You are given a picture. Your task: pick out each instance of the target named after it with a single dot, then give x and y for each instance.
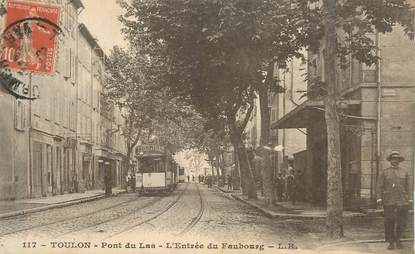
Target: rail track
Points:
(66, 219)
(198, 216)
(50, 227)
(161, 212)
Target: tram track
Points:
(198, 216)
(135, 225)
(93, 213)
(117, 205)
(112, 219)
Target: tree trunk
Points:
(236, 174)
(334, 221)
(245, 166)
(268, 172)
(127, 168)
(242, 173)
(218, 169)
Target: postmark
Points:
(19, 89)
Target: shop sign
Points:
(28, 41)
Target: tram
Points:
(156, 172)
(182, 177)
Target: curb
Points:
(274, 215)
(53, 206)
(358, 242)
(224, 191)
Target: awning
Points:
(305, 114)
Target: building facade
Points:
(375, 103)
(53, 141)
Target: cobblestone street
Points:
(193, 213)
(192, 217)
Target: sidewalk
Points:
(25, 206)
(364, 233)
(300, 210)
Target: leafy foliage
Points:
(146, 108)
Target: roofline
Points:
(91, 39)
(77, 3)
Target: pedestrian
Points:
(229, 182)
(279, 186)
(291, 188)
(108, 181)
(209, 181)
(188, 178)
(133, 183)
(395, 190)
(75, 182)
(127, 181)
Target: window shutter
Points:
(72, 67)
(67, 63)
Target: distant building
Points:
(292, 86)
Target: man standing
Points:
(395, 189)
(229, 182)
(108, 179)
(291, 187)
(279, 186)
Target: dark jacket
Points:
(394, 186)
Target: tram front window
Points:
(150, 165)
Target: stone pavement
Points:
(364, 233)
(24, 206)
(286, 210)
(365, 246)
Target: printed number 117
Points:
(29, 244)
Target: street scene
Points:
(207, 126)
(193, 214)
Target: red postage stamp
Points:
(29, 37)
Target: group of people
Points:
(288, 187)
(130, 181)
(206, 179)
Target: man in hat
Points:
(395, 188)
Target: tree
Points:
(127, 87)
(214, 54)
(216, 81)
(146, 109)
(347, 26)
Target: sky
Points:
(100, 16)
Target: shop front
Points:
(313, 161)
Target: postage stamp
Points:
(29, 37)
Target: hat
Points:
(395, 154)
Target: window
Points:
(19, 116)
(67, 65)
(368, 73)
(61, 108)
(72, 63)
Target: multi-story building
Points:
(39, 136)
(65, 134)
(290, 93)
(376, 104)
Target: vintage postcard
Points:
(207, 126)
